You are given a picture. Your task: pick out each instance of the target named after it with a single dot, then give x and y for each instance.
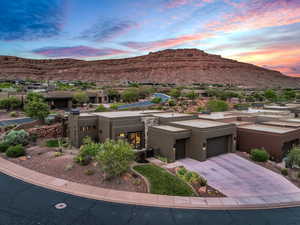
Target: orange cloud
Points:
(285, 60)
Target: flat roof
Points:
(294, 120)
(171, 115)
(121, 114)
(170, 128)
(217, 116)
(198, 123)
(268, 128)
(252, 110)
(241, 123)
(283, 123)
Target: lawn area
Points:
(164, 183)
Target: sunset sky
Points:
(262, 32)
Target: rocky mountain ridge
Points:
(180, 66)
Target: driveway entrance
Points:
(236, 177)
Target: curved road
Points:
(25, 204)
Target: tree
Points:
(293, 158)
(217, 106)
(37, 109)
(115, 157)
(130, 95)
(81, 97)
(191, 95)
(175, 93)
(289, 94)
(113, 94)
(10, 103)
(271, 95)
(34, 97)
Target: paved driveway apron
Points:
(237, 177)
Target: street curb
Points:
(145, 199)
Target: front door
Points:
(180, 149)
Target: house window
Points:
(135, 139)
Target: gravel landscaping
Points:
(48, 161)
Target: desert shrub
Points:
(191, 177)
(293, 158)
(175, 93)
(115, 106)
(101, 108)
(16, 137)
(10, 103)
(115, 157)
(3, 146)
(217, 106)
(53, 143)
(15, 151)
(156, 100)
(87, 151)
(171, 102)
(13, 114)
(284, 171)
(259, 155)
(33, 137)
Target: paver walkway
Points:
(237, 177)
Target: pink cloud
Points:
(77, 52)
(257, 14)
(178, 3)
(166, 43)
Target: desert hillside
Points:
(181, 66)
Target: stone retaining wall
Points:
(47, 131)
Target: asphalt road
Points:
(25, 204)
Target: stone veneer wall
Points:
(149, 122)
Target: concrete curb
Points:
(145, 199)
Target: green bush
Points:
(171, 102)
(87, 151)
(115, 157)
(217, 106)
(156, 100)
(81, 97)
(3, 146)
(293, 158)
(10, 103)
(130, 95)
(54, 143)
(259, 155)
(284, 171)
(16, 137)
(15, 151)
(13, 114)
(115, 106)
(101, 108)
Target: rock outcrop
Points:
(181, 66)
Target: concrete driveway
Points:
(236, 177)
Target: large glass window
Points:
(135, 139)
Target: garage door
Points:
(217, 146)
